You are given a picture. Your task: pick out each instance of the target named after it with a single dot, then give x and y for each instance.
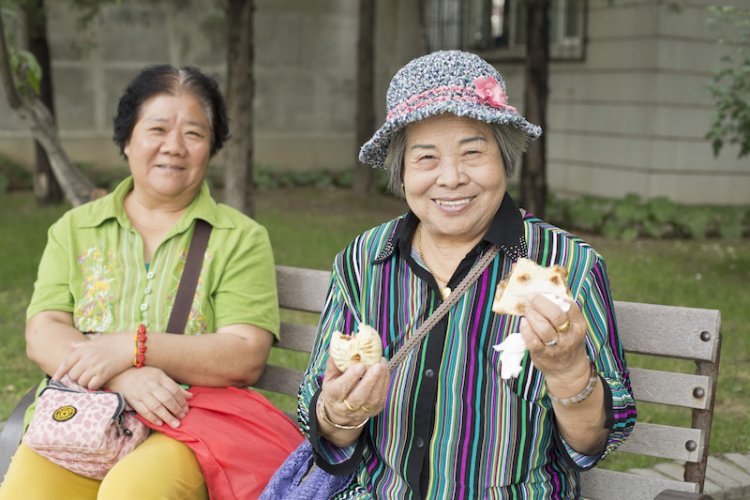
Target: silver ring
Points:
(553, 342)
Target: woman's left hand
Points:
(556, 339)
(94, 362)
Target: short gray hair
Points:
(511, 141)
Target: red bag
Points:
(239, 438)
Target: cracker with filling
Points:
(526, 279)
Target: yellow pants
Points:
(160, 468)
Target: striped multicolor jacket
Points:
(451, 427)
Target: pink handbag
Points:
(86, 432)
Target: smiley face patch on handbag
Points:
(64, 413)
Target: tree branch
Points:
(77, 187)
(14, 100)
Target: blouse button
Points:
(144, 307)
(147, 290)
(429, 373)
(150, 275)
(419, 442)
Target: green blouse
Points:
(93, 267)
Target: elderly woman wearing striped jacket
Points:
(444, 423)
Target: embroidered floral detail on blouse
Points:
(492, 93)
(93, 313)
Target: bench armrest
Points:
(681, 495)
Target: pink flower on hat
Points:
(491, 92)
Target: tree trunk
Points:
(533, 172)
(75, 186)
(46, 187)
(363, 174)
(239, 185)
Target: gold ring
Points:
(365, 409)
(564, 327)
(349, 406)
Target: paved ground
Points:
(727, 476)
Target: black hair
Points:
(166, 79)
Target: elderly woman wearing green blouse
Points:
(114, 264)
(445, 424)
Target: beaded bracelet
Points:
(139, 355)
(324, 412)
(581, 396)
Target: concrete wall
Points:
(632, 116)
(304, 70)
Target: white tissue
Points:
(563, 304)
(511, 350)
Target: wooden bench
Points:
(665, 331)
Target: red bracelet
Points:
(139, 358)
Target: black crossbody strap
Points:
(189, 280)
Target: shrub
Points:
(631, 217)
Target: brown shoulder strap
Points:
(443, 308)
(189, 280)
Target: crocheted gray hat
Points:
(450, 81)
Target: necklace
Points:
(445, 291)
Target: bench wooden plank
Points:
(669, 330)
(614, 485)
(665, 441)
(302, 289)
(280, 379)
(297, 337)
(670, 388)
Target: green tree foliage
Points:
(730, 87)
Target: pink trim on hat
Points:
(449, 93)
(416, 97)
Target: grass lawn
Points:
(308, 226)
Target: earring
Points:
(403, 189)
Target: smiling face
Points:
(169, 148)
(454, 178)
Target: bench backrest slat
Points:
(668, 330)
(296, 337)
(666, 441)
(671, 388)
(302, 289)
(280, 379)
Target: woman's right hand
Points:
(350, 398)
(153, 394)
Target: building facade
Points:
(628, 107)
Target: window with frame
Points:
(497, 28)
